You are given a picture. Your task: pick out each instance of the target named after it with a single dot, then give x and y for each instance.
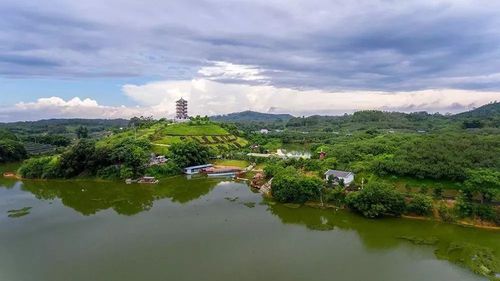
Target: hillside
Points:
(163, 134)
(486, 111)
(251, 116)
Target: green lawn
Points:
(234, 163)
(194, 130)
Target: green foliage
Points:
(272, 169)
(466, 208)
(446, 214)
(485, 182)
(11, 150)
(335, 196)
(141, 122)
(82, 132)
(78, 158)
(168, 169)
(53, 139)
(41, 168)
(376, 200)
(420, 205)
(189, 153)
(289, 186)
(442, 156)
(122, 159)
(479, 259)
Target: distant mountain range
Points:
(251, 116)
(487, 111)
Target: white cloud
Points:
(211, 97)
(207, 97)
(221, 70)
(56, 107)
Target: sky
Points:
(116, 58)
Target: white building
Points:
(347, 177)
(196, 169)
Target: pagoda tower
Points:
(181, 109)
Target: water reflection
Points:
(91, 197)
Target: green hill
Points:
(486, 111)
(163, 134)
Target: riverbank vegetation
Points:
(126, 153)
(442, 166)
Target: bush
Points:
(446, 214)
(474, 210)
(271, 169)
(420, 205)
(289, 186)
(167, 169)
(336, 196)
(40, 168)
(11, 150)
(377, 200)
(189, 153)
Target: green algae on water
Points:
(420, 240)
(249, 204)
(16, 213)
(480, 260)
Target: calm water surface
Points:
(205, 229)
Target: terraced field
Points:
(38, 148)
(163, 135)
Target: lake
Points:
(208, 229)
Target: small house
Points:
(264, 131)
(346, 177)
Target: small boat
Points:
(148, 180)
(130, 181)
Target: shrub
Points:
(189, 153)
(336, 196)
(11, 150)
(290, 187)
(474, 210)
(167, 169)
(438, 192)
(420, 205)
(271, 169)
(446, 214)
(40, 168)
(376, 200)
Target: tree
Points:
(485, 182)
(82, 132)
(189, 153)
(11, 150)
(376, 200)
(78, 158)
(420, 204)
(289, 186)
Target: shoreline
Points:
(312, 204)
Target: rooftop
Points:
(338, 174)
(198, 167)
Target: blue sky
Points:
(111, 58)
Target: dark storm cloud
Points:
(334, 45)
